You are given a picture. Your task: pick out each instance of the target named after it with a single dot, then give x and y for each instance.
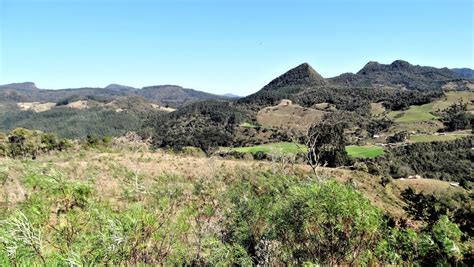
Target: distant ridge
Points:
(172, 95)
(119, 87)
(399, 74)
(464, 73)
(303, 74)
(20, 86)
(404, 66)
(230, 95)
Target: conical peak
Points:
(303, 74)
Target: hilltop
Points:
(302, 75)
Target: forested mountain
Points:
(464, 73)
(399, 74)
(374, 83)
(20, 86)
(392, 87)
(172, 95)
(302, 75)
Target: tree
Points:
(327, 144)
(398, 137)
(457, 117)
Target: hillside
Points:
(172, 95)
(464, 73)
(397, 89)
(132, 205)
(287, 115)
(26, 86)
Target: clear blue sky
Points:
(222, 46)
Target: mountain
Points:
(20, 86)
(174, 95)
(171, 95)
(464, 73)
(302, 75)
(404, 67)
(399, 74)
(399, 85)
(119, 87)
(230, 95)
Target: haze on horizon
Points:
(222, 46)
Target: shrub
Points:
(327, 224)
(23, 142)
(361, 166)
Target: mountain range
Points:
(169, 95)
(398, 74)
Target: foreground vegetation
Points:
(90, 207)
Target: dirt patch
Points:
(81, 104)
(428, 186)
(287, 115)
(377, 109)
(36, 106)
(324, 106)
(161, 108)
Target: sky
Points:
(226, 46)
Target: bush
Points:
(361, 166)
(192, 151)
(326, 224)
(24, 143)
(305, 222)
(252, 218)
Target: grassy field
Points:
(284, 148)
(248, 125)
(424, 112)
(364, 151)
(453, 97)
(414, 114)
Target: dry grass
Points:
(377, 109)
(289, 115)
(161, 108)
(109, 171)
(424, 127)
(81, 104)
(428, 186)
(453, 97)
(36, 106)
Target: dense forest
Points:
(73, 123)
